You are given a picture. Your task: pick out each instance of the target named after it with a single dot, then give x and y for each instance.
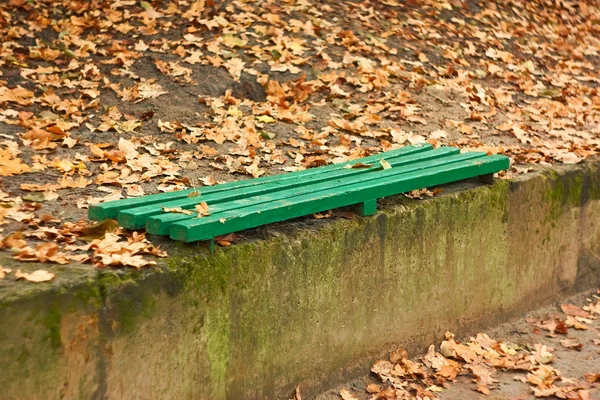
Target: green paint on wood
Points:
(111, 209)
(368, 207)
(387, 183)
(241, 205)
(160, 224)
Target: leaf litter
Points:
(479, 363)
(102, 100)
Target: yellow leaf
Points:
(230, 40)
(385, 164)
(266, 119)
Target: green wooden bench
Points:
(235, 206)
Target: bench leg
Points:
(211, 245)
(369, 207)
(487, 179)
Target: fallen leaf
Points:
(226, 240)
(202, 209)
(98, 230)
(385, 164)
(297, 394)
(177, 210)
(4, 271)
(373, 388)
(346, 395)
(322, 215)
(571, 343)
(574, 311)
(235, 66)
(37, 276)
(592, 377)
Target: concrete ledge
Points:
(309, 302)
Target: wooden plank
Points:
(235, 220)
(135, 218)
(110, 209)
(160, 223)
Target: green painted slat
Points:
(160, 224)
(135, 218)
(110, 209)
(236, 220)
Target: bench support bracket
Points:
(369, 207)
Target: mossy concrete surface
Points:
(311, 304)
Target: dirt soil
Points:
(576, 365)
(101, 100)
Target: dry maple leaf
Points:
(450, 348)
(10, 164)
(226, 240)
(202, 209)
(44, 252)
(178, 210)
(4, 271)
(297, 394)
(39, 139)
(574, 311)
(483, 377)
(346, 395)
(17, 95)
(572, 322)
(208, 181)
(14, 241)
(592, 377)
(235, 66)
(322, 215)
(571, 343)
(542, 354)
(373, 388)
(37, 276)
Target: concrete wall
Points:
(309, 302)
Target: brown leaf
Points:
(483, 377)
(373, 388)
(202, 209)
(10, 164)
(346, 395)
(417, 119)
(398, 355)
(359, 165)
(571, 343)
(592, 377)
(98, 230)
(14, 241)
(39, 139)
(322, 215)
(483, 389)
(574, 311)
(297, 394)
(4, 271)
(37, 276)
(208, 181)
(226, 240)
(178, 210)
(572, 322)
